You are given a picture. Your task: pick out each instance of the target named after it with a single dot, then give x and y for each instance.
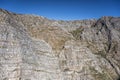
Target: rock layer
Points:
(36, 48)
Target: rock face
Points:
(36, 48)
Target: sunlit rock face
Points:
(36, 48)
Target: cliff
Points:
(36, 48)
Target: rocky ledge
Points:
(36, 48)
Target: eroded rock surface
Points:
(36, 48)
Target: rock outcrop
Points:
(36, 48)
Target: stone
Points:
(36, 48)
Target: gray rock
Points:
(36, 48)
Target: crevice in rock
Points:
(20, 78)
(108, 34)
(109, 40)
(112, 64)
(118, 78)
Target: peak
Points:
(108, 17)
(4, 11)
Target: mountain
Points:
(36, 48)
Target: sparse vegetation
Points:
(76, 33)
(99, 76)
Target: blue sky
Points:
(64, 9)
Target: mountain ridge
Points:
(37, 48)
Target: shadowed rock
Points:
(36, 48)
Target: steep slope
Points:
(36, 48)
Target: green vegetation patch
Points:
(99, 76)
(76, 33)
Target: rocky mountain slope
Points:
(36, 48)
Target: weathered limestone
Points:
(36, 48)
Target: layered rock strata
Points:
(36, 48)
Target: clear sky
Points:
(64, 9)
